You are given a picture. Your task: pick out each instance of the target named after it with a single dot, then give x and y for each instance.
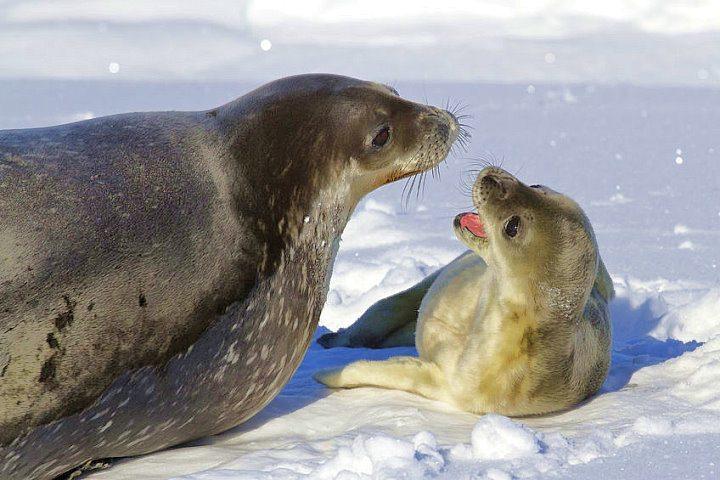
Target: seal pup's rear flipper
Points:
(398, 373)
(389, 322)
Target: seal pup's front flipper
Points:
(398, 373)
(518, 325)
(389, 322)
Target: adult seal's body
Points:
(161, 274)
(519, 325)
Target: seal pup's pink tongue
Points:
(472, 222)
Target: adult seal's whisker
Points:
(165, 271)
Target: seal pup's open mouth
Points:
(471, 230)
(472, 223)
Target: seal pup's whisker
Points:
(518, 325)
(487, 159)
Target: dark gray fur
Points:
(161, 274)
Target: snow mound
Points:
(498, 437)
(496, 443)
(368, 455)
(381, 456)
(697, 319)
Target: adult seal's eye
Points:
(381, 138)
(512, 226)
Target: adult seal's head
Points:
(330, 130)
(161, 274)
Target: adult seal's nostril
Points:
(447, 126)
(250, 187)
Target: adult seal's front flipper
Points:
(162, 274)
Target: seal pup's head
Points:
(538, 240)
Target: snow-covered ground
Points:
(630, 41)
(615, 103)
(643, 162)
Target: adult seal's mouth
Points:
(240, 208)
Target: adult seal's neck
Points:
(281, 198)
(267, 335)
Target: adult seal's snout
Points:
(161, 274)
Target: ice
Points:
(543, 41)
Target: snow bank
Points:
(697, 318)
(539, 41)
(540, 18)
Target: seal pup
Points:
(161, 274)
(518, 325)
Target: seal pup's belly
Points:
(518, 326)
(447, 310)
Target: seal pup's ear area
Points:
(603, 282)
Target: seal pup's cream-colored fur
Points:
(519, 325)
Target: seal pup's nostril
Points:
(490, 182)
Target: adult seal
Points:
(161, 274)
(519, 325)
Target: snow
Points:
(498, 437)
(661, 399)
(613, 103)
(636, 41)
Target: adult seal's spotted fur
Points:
(519, 325)
(161, 274)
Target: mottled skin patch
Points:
(164, 272)
(519, 325)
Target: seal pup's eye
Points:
(512, 226)
(540, 188)
(381, 137)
